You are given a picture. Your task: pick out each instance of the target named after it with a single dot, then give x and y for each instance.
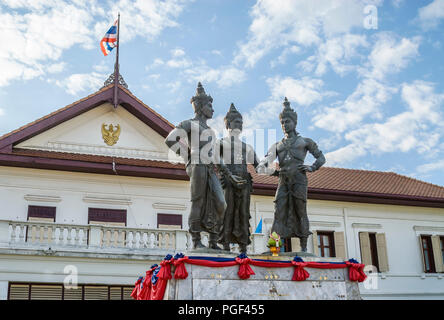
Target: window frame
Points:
(429, 249)
(168, 216)
(331, 240)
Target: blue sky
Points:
(370, 93)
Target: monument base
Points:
(223, 283)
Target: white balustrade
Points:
(55, 235)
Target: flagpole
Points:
(116, 66)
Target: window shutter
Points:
(366, 255)
(46, 292)
(437, 253)
(295, 245)
(72, 294)
(381, 246)
(422, 253)
(19, 292)
(115, 293)
(339, 245)
(315, 243)
(127, 293)
(96, 293)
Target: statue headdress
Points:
(231, 115)
(201, 97)
(287, 111)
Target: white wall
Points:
(143, 198)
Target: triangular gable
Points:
(105, 95)
(83, 134)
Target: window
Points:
(110, 217)
(427, 254)
(329, 244)
(326, 246)
(432, 253)
(41, 291)
(374, 250)
(40, 214)
(169, 221)
(442, 247)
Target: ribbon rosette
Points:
(300, 274)
(165, 270)
(179, 263)
(245, 270)
(356, 270)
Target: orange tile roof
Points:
(326, 178)
(330, 178)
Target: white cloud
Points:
(429, 167)
(300, 92)
(39, 32)
(430, 16)
(419, 128)
(388, 56)
(2, 112)
(81, 82)
(224, 76)
(336, 51)
(179, 63)
(178, 52)
(287, 22)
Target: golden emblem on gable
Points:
(110, 135)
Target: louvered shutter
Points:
(366, 255)
(437, 253)
(340, 245)
(295, 245)
(381, 246)
(96, 293)
(315, 243)
(19, 292)
(127, 293)
(72, 294)
(115, 293)
(46, 292)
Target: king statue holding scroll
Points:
(290, 214)
(236, 155)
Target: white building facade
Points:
(82, 219)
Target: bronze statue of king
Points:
(290, 204)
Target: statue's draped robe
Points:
(236, 224)
(290, 216)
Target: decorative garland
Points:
(153, 285)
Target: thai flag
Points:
(109, 41)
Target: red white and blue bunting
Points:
(153, 285)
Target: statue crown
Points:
(287, 111)
(201, 96)
(231, 115)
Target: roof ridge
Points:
(146, 106)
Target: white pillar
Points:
(4, 290)
(4, 232)
(95, 235)
(259, 243)
(181, 241)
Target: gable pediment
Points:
(83, 134)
